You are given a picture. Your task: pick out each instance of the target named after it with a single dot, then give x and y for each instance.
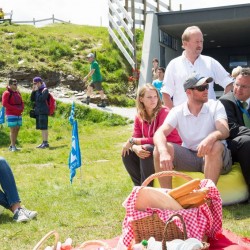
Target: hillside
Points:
(58, 54)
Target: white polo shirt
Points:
(193, 129)
(180, 68)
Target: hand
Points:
(141, 151)
(34, 87)
(126, 148)
(166, 163)
(205, 146)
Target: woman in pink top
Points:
(137, 152)
(13, 103)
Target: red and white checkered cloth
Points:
(200, 221)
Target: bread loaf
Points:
(184, 189)
(193, 199)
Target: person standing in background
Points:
(1, 13)
(13, 103)
(158, 83)
(155, 63)
(191, 61)
(96, 82)
(39, 96)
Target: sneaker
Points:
(20, 216)
(10, 148)
(101, 105)
(29, 214)
(87, 101)
(39, 146)
(14, 149)
(44, 145)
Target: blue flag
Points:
(75, 153)
(2, 115)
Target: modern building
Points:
(225, 29)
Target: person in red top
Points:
(13, 103)
(137, 152)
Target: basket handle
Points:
(45, 237)
(165, 173)
(94, 242)
(164, 240)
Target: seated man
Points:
(236, 104)
(202, 126)
(9, 197)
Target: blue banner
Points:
(75, 153)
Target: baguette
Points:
(184, 189)
(193, 199)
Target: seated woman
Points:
(9, 197)
(137, 152)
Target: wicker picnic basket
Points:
(153, 226)
(171, 232)
(93, 243)
(44, 239)
(90, 244)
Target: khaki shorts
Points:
(187, 160)
(96, 85)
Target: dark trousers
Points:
(139, 169)
(240, 149)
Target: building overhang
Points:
(223, 27)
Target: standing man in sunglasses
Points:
(203, 128)
(237, 107)
(13, 103)
(191, 61)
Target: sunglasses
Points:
(201, 88)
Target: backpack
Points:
(51, 102)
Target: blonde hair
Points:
(236, 71)
(141, 111)
(187, 32)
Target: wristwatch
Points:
(131, 141)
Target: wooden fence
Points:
(34, 21)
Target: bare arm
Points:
(91, 72)
(167, 100)
(160, 142)
(221, 133)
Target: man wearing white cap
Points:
(96, 82)
(202, 126)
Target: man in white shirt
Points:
(191, 61)
(202, 126)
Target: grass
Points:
(90, 208)
(47, 50)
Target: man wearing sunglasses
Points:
(202, 126)
(191, 61)
(13, 103)
(236, 104)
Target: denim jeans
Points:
(9, 194)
